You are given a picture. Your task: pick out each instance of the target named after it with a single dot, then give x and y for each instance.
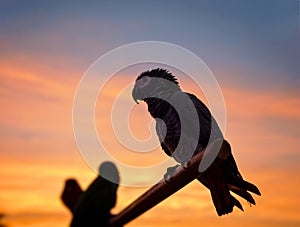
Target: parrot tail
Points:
(220, 194)
(221, 178)
(223, 200)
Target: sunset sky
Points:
(252, 48)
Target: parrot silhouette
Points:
(180, 138)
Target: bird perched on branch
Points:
(185, 127)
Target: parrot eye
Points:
(145, 80)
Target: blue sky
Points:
(256, 41)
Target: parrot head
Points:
(156, 83)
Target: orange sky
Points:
(38, 152)
(252, 47)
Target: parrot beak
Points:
(135, 95)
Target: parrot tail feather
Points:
(252, 188)
(223, 201)
(243, 193)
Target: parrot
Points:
(185, 127)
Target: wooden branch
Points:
(160, 191)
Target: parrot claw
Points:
(167, 178)
(170, 173)
(186, 165)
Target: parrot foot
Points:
(186, 165)
(170, 173)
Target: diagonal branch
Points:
(161, 190)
